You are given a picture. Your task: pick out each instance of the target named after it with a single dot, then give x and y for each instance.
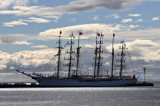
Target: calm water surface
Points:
(118, 96)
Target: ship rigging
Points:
(75, 79)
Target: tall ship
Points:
(74, 78)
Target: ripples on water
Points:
(118, 96)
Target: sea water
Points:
(87, 96)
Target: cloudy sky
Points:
(29, 30)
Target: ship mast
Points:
(59, 53)
(70, 57)
(99, 53)
(95, 58)
(122, 56)
(112, 56)
(78, 53)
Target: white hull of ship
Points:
(77, 83)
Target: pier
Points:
(33, 85)
(18, 84)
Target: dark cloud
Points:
(86, 5)
(73, 7)
(8, 39)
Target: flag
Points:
(139, 76)
(80, 33)
(76, 55)
(60, 32)
(134, 78)
(56, 54)
(98, 34)
(113, 35)
(102, 35)
(68, 43)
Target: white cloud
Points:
(41, 11)
(155, 18)
(95, 18)
(21, 43)
(89, 46)
(127, 20)
(134, 15)
(2, 67)
(144, 49)
(37, 20)
(6, 3)
(115, 16)
(12, 68)
(26, 59)
(139, 20)
(89, 30)
(144, 53)
(13, 23)
(15, 12)
(40, 46)
(133, 26)
(54, 17)
(23, 22)
(139, 34)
